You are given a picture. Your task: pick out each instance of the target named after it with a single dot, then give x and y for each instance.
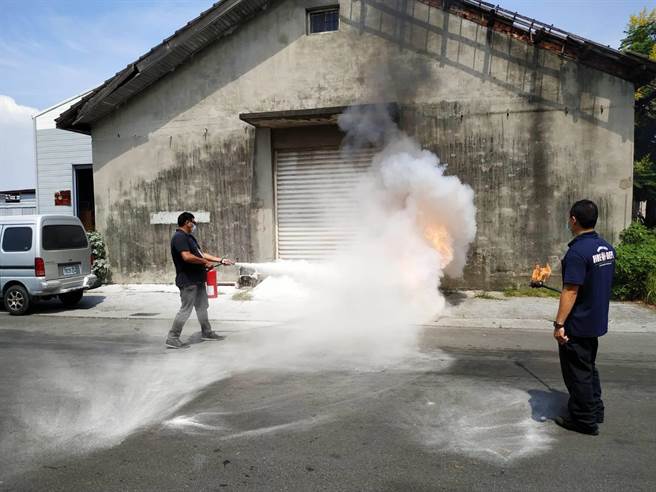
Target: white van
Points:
(42, 256)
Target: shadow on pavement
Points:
(455, 298)
(54, 305)
(196, 337)
(547, 405)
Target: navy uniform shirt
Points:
(186, 273)
(590, 264)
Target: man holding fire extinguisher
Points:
(191, 266)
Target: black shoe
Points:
(175, 343)
(567, 423)
(212, 336)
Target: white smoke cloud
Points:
(359, 311)
(414, 180)
(17, 166)
(412, 225)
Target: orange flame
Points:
(541, 274)
(441, 240)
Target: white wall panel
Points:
(57, 151)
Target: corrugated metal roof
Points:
(223, 17)
(627, 65)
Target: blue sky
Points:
(53, 49)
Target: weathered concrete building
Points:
(239, 105)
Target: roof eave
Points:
(223, 17)
(219, 20)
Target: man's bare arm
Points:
(567, 300)
(210, 257)
(223, 261)
(191, 258)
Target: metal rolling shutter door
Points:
(314, 187)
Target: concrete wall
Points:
(531, 132)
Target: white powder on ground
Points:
(358, 311)
(492, 423)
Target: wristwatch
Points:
(557, 326)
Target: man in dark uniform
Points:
(588, 269)
(191, 266)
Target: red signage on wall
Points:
(63, 197)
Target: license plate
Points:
(69, 270)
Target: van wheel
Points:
(17, 300)
(71, 298)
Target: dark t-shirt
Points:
(186, 273)
(590, 264)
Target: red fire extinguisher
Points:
(211, 284)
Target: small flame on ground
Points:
(541, 274)
(441, 241)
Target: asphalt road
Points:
(88, 404)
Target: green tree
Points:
(641, 38)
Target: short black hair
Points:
(184, 217)
(585, 212)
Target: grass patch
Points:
(530, 292)
(486, 295)
(242, 295)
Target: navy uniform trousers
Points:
(577, 362)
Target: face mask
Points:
(193, 228)
(569, 227)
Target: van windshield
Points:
(64, 237)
